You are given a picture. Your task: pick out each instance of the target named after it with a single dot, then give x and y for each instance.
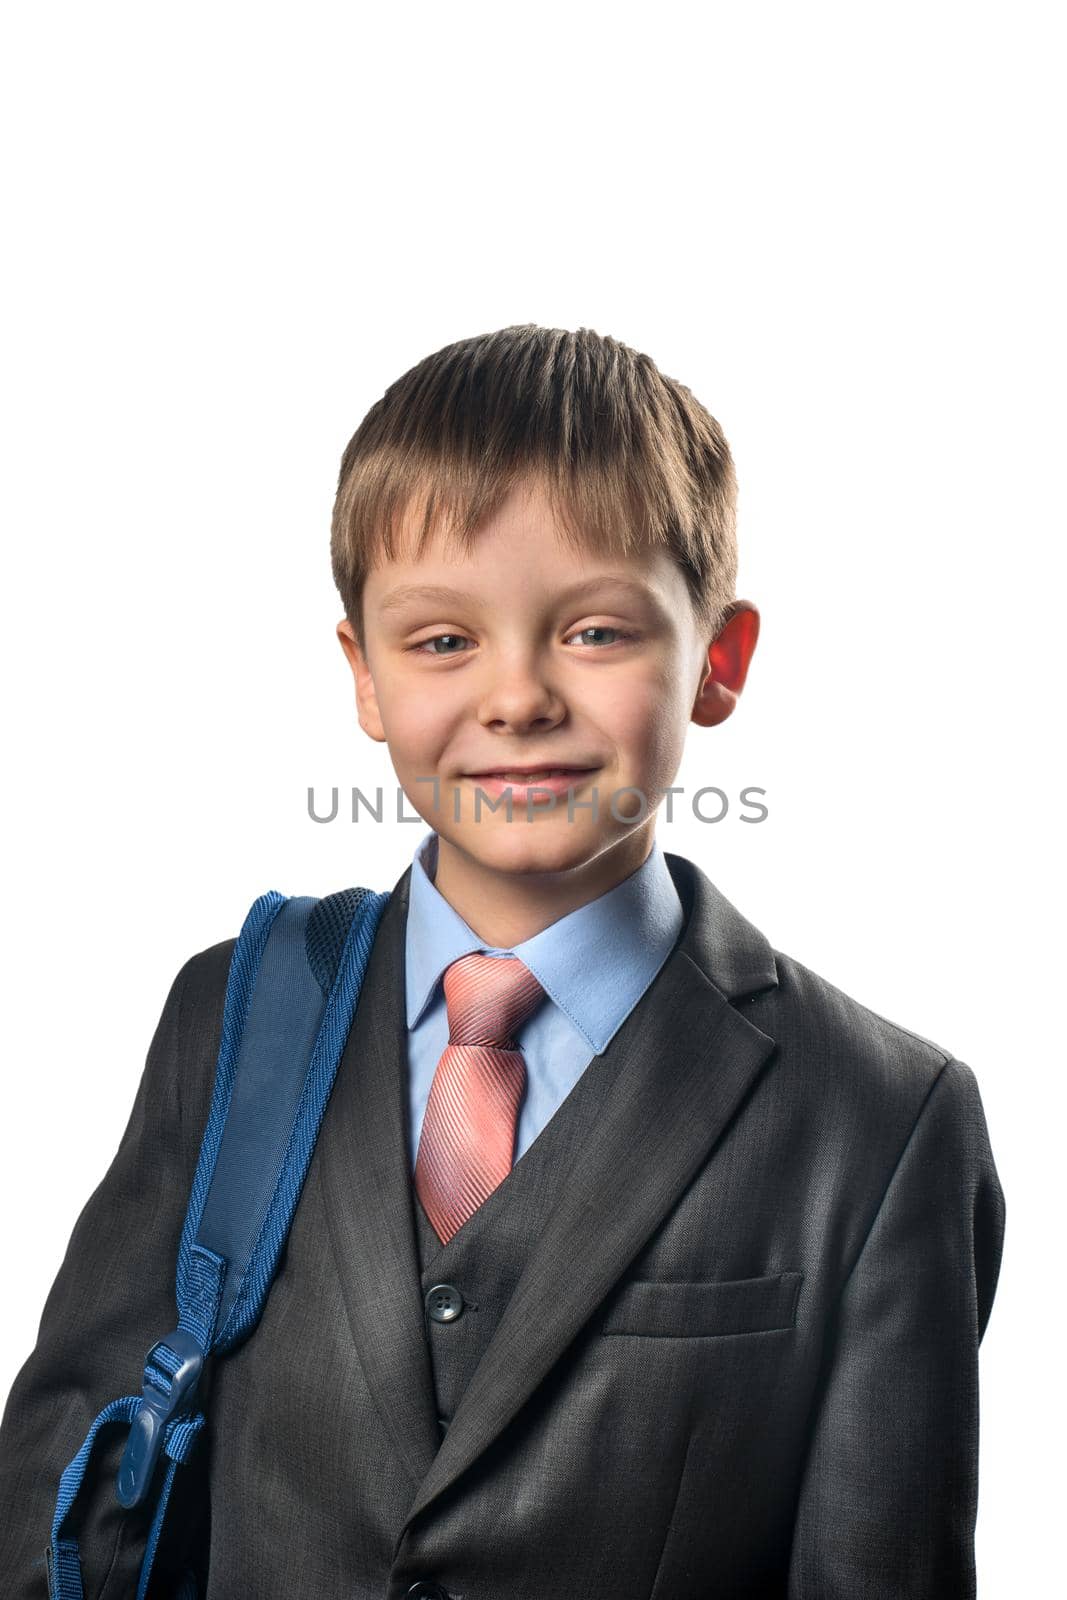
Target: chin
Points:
(523, 847)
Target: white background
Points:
(230, 227)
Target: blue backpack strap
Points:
(294, 981)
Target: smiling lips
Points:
(527, 774)
(557, 780)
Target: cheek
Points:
(416, 725)
(645, 718)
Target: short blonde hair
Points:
(626, 456)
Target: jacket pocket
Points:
(694, 1308)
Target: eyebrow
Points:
(437, 593)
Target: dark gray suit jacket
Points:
(741, 1359)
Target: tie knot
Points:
(489, 998)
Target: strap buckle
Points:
(172, 1372)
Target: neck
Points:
(505, 908)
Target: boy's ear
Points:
(727, 665)
(366, 697)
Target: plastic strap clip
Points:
(172, 1372)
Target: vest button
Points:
(444, 1303)
(426, 1589)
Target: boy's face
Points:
(544, 657)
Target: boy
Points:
(634, 1258)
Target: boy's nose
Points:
(521, 698)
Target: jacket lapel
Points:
(683, 1062)
(366, 1177)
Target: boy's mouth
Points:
(534, 785)
(530, 774)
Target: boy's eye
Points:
(600, 628)
(421, 646)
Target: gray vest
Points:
(476, 1272)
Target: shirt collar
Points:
(624, 936)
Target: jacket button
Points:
(444, 1302)
(426, 1589)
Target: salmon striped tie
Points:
(468, 1132)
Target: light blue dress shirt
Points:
(594, 965)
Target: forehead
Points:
(604, 588)
(521, 550)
